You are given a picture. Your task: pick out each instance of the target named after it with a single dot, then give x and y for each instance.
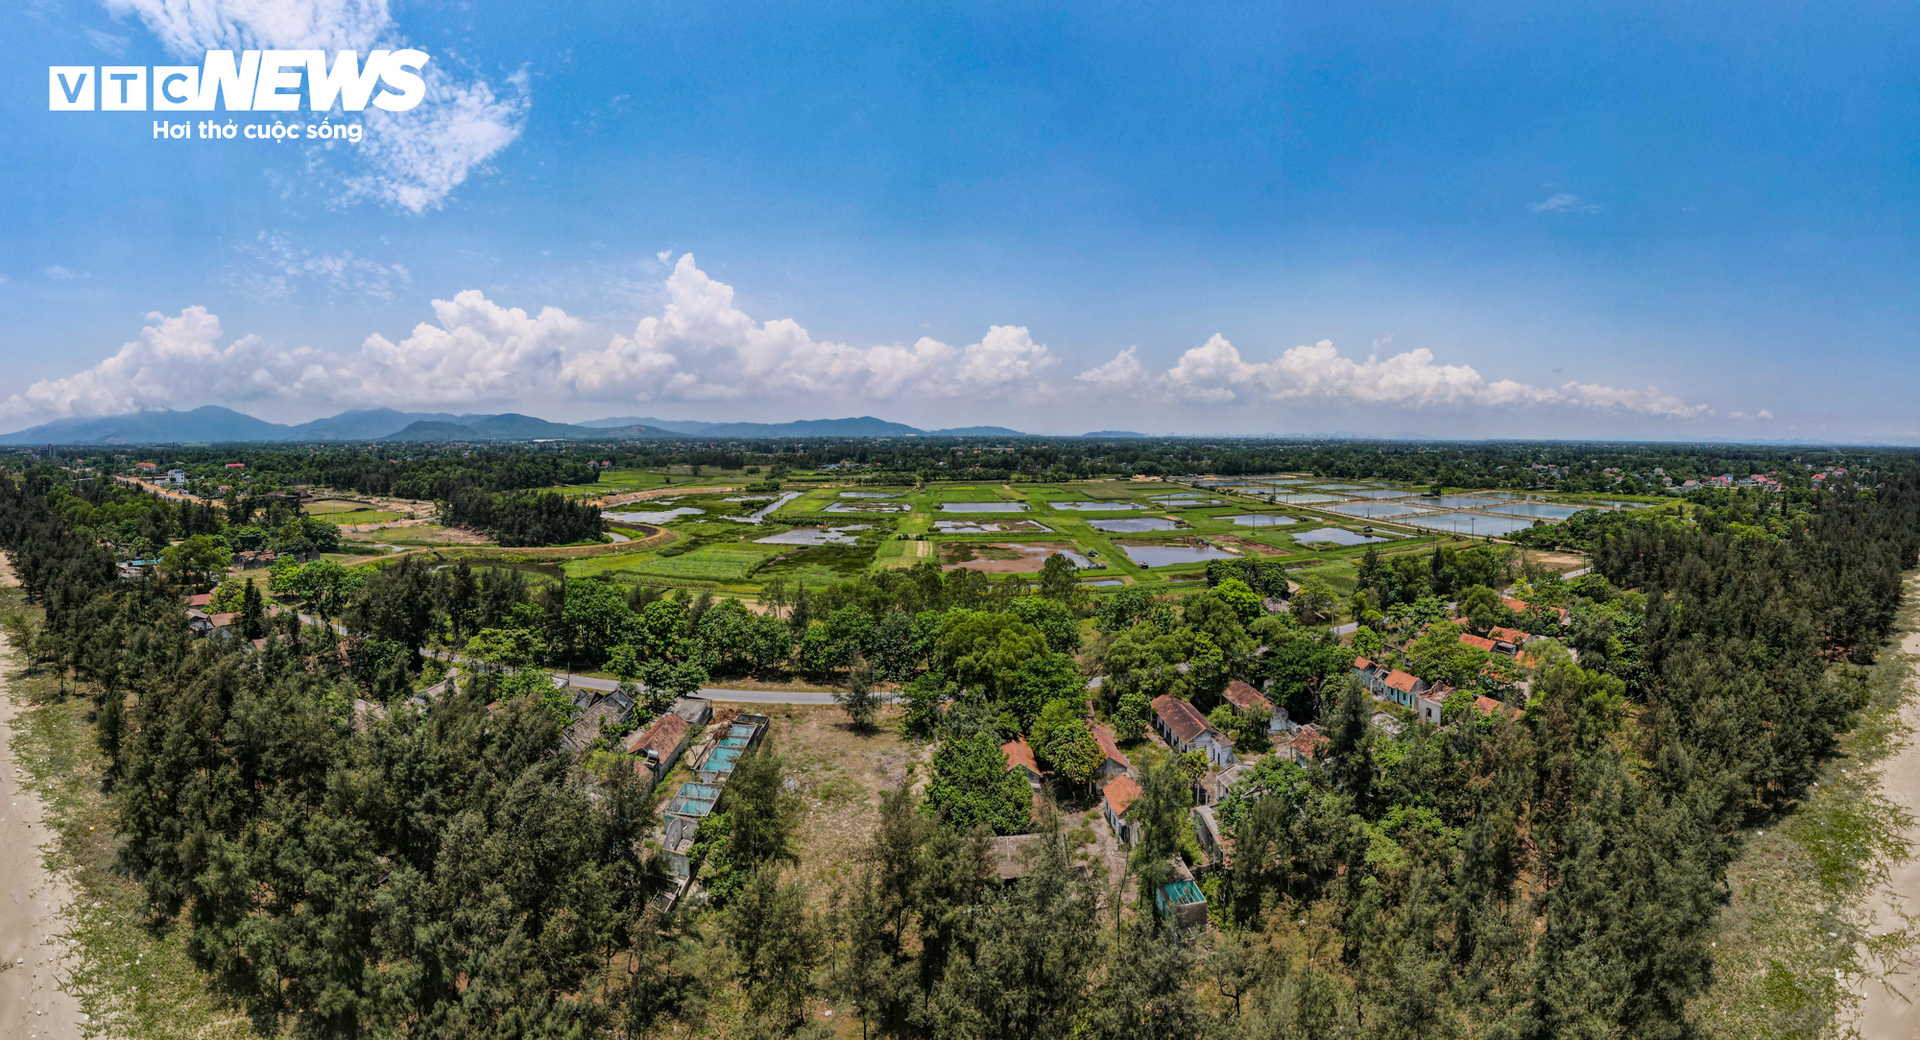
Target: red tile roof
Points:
(1103, 736)
(201, 600)
(661, 738)
(223, 620)
(1508, 635)
(1182, 718)
(1401, 681)
(1488, 706)
(1246, 698)
(1308, 741)
(1020, 754)
(1480, 642)
(1120, 793)
(1362, 662)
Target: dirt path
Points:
(32, 1004)
(1892, 1011)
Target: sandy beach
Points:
(32, 1004)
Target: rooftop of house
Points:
(1489, 706)
(1182, 718)
(1244, 697)
(1120, 793)
(1479, 642)
(223, 620)
(1363, 663)
(1103, 735)
(1006, 851)
(1508, 635)
(1020, 754)
(661, 737)
(1308, 740)
(1402, 681)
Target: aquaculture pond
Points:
(813, 536)
(658, 516)
(1094, 507)
(983, 507)
(1168, 555)
(1339, 536)
(1543, 510)
(1259, 520)
(1471, 524)
(1134, 524)
(1371, 509)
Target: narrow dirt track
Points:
(1891, 1011)
(32, 1004)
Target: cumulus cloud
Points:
(1216, 373)
(478, 352)
(703, 347)
(411, 160)
(174, 356)
(273, 267)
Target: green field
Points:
(360, 515)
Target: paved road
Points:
(713, 693)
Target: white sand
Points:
(32, 1004)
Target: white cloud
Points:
(108, 42)
(1563, 202)
(477, 352)
(63, 273)
(173, 357)
(1215, 373)
(702, 347)
(411, 160)
(273, 267)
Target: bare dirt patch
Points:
(997, 557)
(839, 774)
(1247, 545)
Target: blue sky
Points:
(1653, 221)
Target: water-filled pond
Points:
(1460, 501)
(1339, 536)
(763, 512)
(1381, 493)
(1094, 507)
(1259, 520)
(658, 516)
(1134, 524)
(983, 507)
(1470, 524)
(1306, 498)
(1341, 487)
(1168, 555)
(814, 536)
(1544, 510)
(866, 494)
(1103, 583)
(1369, 509)
(867, 507)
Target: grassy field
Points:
(361, 515)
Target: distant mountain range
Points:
(215, 424)
(864, 426)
